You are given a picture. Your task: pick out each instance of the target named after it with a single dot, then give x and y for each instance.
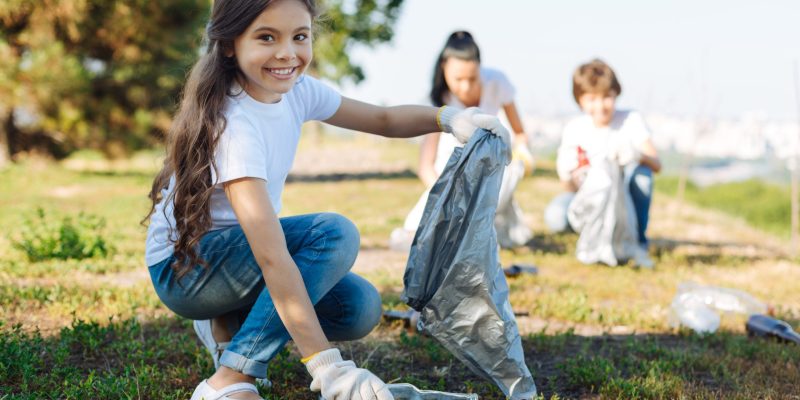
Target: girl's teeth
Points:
(284, 71)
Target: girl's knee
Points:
(371, 311)
(342, 231)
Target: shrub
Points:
(44, 238)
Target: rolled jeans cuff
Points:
(238, 362)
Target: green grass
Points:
(94, 328)
(764, 205)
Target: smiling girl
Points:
(216, 250)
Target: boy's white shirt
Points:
(496, 91)
(259, 141)
(627, 127)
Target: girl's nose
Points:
(286, 52)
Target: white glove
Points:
(624, 153)
(463, 123)
(341, 380)
(522, 153)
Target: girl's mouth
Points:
(281, 73)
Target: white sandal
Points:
(204, 391)
(203, 330)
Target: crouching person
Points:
(596, 147)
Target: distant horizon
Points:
(714, 59)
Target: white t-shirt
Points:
(259, 141)
(626, 125)
(496, 91)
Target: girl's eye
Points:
(266, 38)
(301, 37)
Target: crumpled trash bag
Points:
(509, 222)
(453, 276)
(602, 212)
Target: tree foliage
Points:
(95, 73)
(346, 23)
(105, 74)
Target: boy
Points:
(603, 132)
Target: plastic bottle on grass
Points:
(697, 306)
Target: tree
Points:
(346, 23)
(105, 74)
(98, 74)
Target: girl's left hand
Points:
(522, 153)
(463, 124)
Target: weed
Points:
(42, 238)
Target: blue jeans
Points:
(639, 179)
(324, 247)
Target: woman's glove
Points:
(341, 380)
(463, 123)
(522, 153)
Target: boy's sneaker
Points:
(203, 330)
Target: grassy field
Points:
(94, 328)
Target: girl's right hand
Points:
(341, 380)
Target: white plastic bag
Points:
(697, 307)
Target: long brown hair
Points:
(196, 128)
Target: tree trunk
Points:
(795, 207)
(6, 129)
(794, 164)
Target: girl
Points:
(216, 249)
(460, 80)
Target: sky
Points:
(718, 59)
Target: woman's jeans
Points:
(324, 247)
(640, 184)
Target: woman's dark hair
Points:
(460, 45)
(196, 128)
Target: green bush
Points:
(43, 238)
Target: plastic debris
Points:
(765, 326)
(407, 391)
(518, 269)
(697, 306)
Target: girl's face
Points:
(463, 79)
(599, 106)
(274, 50)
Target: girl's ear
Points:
(227, 50)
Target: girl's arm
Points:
(516, 124)
(650, 156)
(397, 122)
(250, 201)
(427, 159)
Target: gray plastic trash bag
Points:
(453, 276)
(602, 212)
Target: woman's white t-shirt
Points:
(259, 141)
(496, 91)
(580, 132)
